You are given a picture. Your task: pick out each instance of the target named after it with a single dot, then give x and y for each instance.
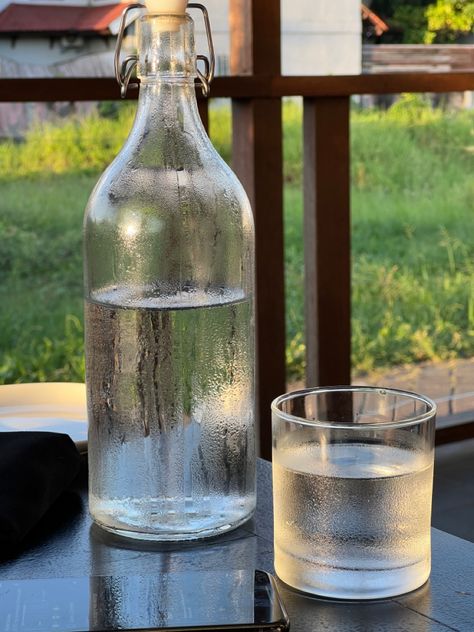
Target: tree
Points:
(412, 21)
(388, 8)
(447, 20)
(406, 18)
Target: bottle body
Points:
(171, 434)
(169, 251)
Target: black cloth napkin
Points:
(35, 467)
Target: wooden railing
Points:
(258, 160)
(417, 57)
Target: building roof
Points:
(51, 19)
(379, 25)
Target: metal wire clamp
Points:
(124, 69)
(207, 76)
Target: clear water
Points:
(352, 521)
(171, 428)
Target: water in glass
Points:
(352, 519)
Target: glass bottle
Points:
(169, 290)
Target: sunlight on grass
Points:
(413, 236)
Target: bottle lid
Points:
(167, 7)
(176, 9)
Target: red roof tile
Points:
(34, 18)
(380, 26)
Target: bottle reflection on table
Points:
(156, 586)
(171, 600)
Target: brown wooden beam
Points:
(258, 161)
(241, 41)
(255, 27)
(243, 87)
(62, 89)
(327, 241)
(453, 433)
(203, 105)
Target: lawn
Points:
(413, 237)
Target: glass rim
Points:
(409, 421)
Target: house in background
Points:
(48, 39)
(54, 39)
(319, 37)
(51, 38)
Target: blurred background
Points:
(412, 188)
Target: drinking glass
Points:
(352, 486)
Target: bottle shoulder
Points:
(154, 183)
(149, 224)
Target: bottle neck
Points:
(167, 105)
(168, 102)
(166, 48)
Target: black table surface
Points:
(66, 544)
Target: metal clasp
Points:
(207, 76)
(124, 69)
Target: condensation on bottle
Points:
(169, 315)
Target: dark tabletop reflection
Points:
(175, 586)
(312, 613)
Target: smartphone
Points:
(172, 602)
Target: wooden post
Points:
(203, 105)
(258, 161)
(327, 227)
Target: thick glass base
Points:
(347, 583)
(132, 520)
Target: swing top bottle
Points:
(169, 291)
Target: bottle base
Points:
(167, 526)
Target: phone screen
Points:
(166, 600)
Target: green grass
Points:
(41, 282)
(413, 228)
(413, 237)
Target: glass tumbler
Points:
(352, 486)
